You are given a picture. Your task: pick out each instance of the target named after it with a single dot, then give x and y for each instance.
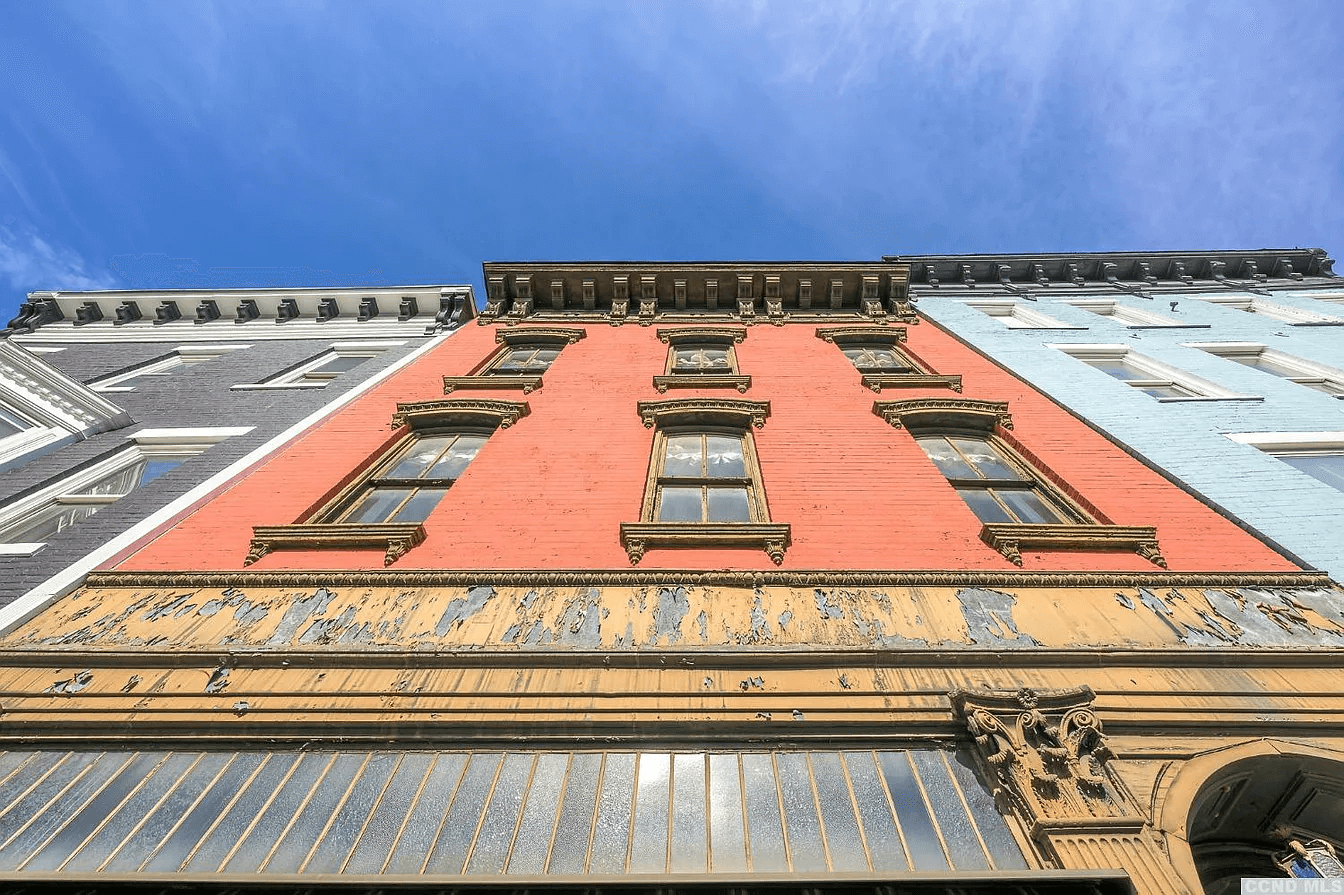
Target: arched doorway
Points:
(1246, 815)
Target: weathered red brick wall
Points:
(552, 491)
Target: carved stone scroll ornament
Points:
(459, 412)
(394, 538)
(1048, 762)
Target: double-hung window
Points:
(387, 505)
(525, 354)
(156, 371)
(1152, 377)
(1318, 454)
(876, 353)
(1016, 504)
(317, 371)
(407, 485)
(1320, 377)
(704, 487)
(702, 357)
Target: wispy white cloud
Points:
(30, 262)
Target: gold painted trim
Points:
(395, 537)
(459, 412)
(942, 413)
(879, 381)
(538, 334)
(703, 577)
(730, 334)
(528, 384)
(838, 335)
(701, 411)
(772, 537)
(692, 380)
(1009, 538)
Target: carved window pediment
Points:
(542, 335)
(704, 411)
(459, 413)
(945, 413)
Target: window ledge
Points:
(26, 548)
(394, 537)
(1168, 325)
(271, 386)
(1196, 398)
(528, 384)
(638, 537)
(1010, 537)
(696, 380)
(879, 381)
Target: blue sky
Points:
(310, 143)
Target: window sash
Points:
(382, 497)
(994, 482)
(712, 479)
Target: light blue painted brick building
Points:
(1223, 369)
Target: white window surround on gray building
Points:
(1164, 382)
(45, 408)
(1015, 315)
(183, 356)
(317, 371)
(1321, 377)
(79, 494)
(1275, 310)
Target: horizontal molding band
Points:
(699, 577)
(780, 658)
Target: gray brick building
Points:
(120, 408)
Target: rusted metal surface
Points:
(681, 617)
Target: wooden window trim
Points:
(719, 337)
(509, 339)
(889, 338)
(422, 418)
(705, 416)
(981, 419)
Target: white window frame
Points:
(1129, 316)
(1161, 374)
(1279, 444)
(307, 374)
(145, 444)
(1005, 309)
(1283, 313)
(182, 356)
(58, 408)
(1297, 369)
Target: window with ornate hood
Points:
(525, 354)
(387, 505)
(702, 357)
(1019, 506)
(704, 484)
(876, 353)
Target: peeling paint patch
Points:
(459, 610)
(328, 630)
(72, 685)
(580, 625)
(299, 612)
(702, 622)
(989, 618)
(131, 683)
(219, 679)
(672, 607)
(753, 683)
(1124, 601)
(784, 618)
(825, 606)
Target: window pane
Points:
(418, 508)
(376, 504)
(724, 456)
(679, 505)
(986, 459)
(880, 358)
(984, 506)
(1329, 468)
(415, 461)
(1028, 506)
(947, 460)
(123, 481)
(530, 360)
(700, 359)
(1119, 369)
(728, 505)
(682, 456)
(10, 424)
(457, 457)
(339, 363)
(152, 469)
